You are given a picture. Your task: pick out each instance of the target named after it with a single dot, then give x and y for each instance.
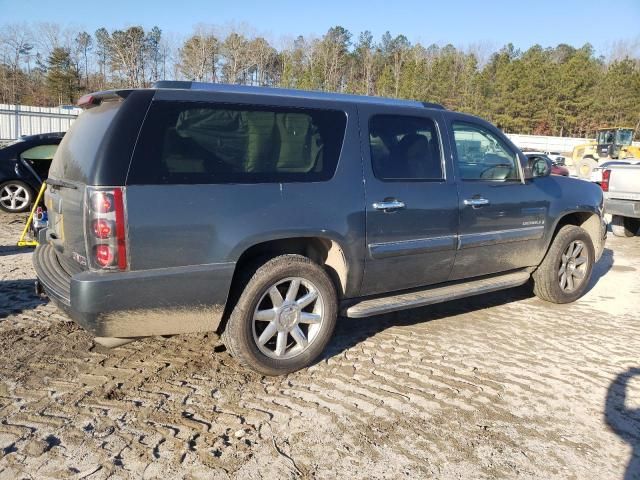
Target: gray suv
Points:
(263, 214)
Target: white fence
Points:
(548, 144)
(18, 120)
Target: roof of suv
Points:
(290, 92)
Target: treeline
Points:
(564, 90)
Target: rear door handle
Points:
(389, 205)
(476, 202)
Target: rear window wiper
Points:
(60, 183)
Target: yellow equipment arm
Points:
(31, 243)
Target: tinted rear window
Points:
(76, 155)
(189, 143)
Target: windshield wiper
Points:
(60, 183)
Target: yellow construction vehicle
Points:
(610, 143)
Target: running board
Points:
(431, 295)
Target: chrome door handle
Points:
(389, 205)
(476, 202)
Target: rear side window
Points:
(191, 143)
(404, 148)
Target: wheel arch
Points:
(326, 251)
(590, 221)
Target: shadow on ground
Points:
(624, 421)
(17, 296)
(13, 250)
(601, 268)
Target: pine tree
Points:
(62, 76)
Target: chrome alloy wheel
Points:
(288, 318)
(14, 197)
(573, 266)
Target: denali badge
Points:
(79, 258)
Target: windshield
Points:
(624, 137)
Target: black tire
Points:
(547, 277)
(585, 167)
(240, 333)
(15, 184)
(624, 226)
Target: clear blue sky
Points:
(461, 22)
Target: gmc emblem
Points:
(79, 258)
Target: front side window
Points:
(404, 148)
(482, 155)
(209, 143)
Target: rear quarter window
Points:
(198, 143)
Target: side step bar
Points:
(431, 295)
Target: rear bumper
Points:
(139, 303)
(625, 208)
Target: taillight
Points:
(102, 228)
(604, 184)
(102, 202)
(106, 230)
(104, 255)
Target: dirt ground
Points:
(498, 386)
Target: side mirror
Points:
(538, 167)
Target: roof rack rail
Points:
(276, 91)
(434, 105)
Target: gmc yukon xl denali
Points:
(263, 214)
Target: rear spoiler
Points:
(94, 99)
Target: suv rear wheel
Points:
(624, 226)
(284, 318)
(564, 274)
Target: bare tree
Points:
(198, 57)
(262, 56)
(234, 50)
(127, 55)
(84, 43)
(16, 41)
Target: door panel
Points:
(501, 218)
(411, 207)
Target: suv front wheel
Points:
(563, 275)
(284, 318)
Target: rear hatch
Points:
(94, 152)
